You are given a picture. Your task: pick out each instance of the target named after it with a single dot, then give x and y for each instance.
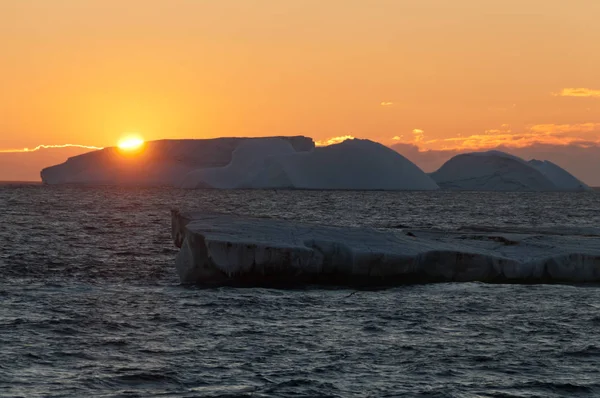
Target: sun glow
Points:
(130, 143)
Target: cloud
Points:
(482, 141)
(565, 128)
(418, 135)
(387, 103)
(26, 165)
(581, 134)
(578, 92)
(37, 148)
(576, 147)
(418, 138)
(334, 140)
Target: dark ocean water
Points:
(90, 305)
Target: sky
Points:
(440, 76)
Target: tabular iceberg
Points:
(499, 171)
(224, 249)
(270, 162)
(163, 162)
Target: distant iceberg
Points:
(295, 163)
(560, 177)
(352, 164)
(247, 161)
(270, 162)
(499, 171)
(162, 162)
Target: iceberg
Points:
(162, 162)
(248, 160)
(499, 171)
(221, 249)
(229, 163)
(352, 164)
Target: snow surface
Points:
(499, 171)
(226, 249)
(270, 162)
(561, 178)
(352, 164)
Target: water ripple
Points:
(90, 305)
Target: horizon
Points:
(30, 162)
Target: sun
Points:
(130, 143)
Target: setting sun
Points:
(130, 143)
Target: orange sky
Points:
(461, 74)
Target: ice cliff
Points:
(499, 171)
(270, 162)
(218, 249)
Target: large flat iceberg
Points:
(162, 162)
(218, 249)
(269, 162)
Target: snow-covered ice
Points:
(163, 162)
(499, 171)
(226, 249)
(248, 160)
(352, 164)
(560, 177)
(269, 162)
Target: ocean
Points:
(90, 304)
